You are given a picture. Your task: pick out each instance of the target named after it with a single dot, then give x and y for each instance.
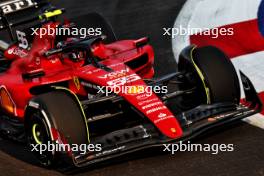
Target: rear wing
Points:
(22, 15)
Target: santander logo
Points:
(161, 115)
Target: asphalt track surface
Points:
(246, 159)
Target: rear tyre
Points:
(212, 72)
(55, 112)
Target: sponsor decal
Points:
(147, 101)
(115, 65)
(142, 97)
(163, 116)
(89, 85)
(15, 5)
(152, 105)
(219, 117)
(17, 51)
(156, 109)
(116, 74)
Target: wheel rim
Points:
(36, 132)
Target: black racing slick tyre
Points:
(212, 73)
(52, 114)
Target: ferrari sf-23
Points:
(49, 89)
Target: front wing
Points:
(193, 123)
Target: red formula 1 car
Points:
(55, 90)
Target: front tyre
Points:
(38, 133)
(55, 117)
(212, 73)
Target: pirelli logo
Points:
(16, 5)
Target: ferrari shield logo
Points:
(76, 83)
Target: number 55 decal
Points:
(123, 80)
(21, 37)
